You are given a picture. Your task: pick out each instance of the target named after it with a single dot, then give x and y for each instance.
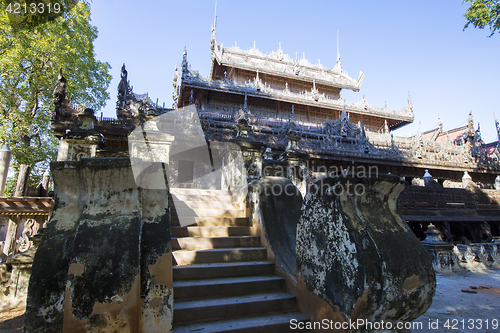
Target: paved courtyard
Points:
(470, 310)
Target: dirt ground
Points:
(12, 321)
(466, 301)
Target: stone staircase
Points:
(222, 279)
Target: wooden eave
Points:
(396, 121)
(26, 205)
(263, 70)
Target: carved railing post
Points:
(466, 180)
(272, 167)
(427, 178)
(441, 252)
(297, 162)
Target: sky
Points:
(416, 47)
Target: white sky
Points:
(401, 46)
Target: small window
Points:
(186, 171)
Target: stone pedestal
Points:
(441, 252)
(81, 142)
(241, 158)
(104, 262)
(149, 147)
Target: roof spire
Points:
(215, 18)
(338, 49)
(338, 65)
(497, 124)
(212, 39)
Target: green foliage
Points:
(483, 13)
(25, 14)
(30, 59)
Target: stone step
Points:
(222, 269)
(275, 323)
(186, 257)
(205, 205)
(197, 191)
(232, 307)
(202, 197)
(233, 286)
(210, 231)
(211, 221)
(198, 243)
(209, 212)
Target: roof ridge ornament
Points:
(410, 104)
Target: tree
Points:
(30, 60)
(483, 13)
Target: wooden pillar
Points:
(5, 155)
(22, 180)
(10, 239)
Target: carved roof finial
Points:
(363, 133)
(184, 60)
(440, 124)
(59, 94)
(343, 115)
(470, 125)
(60, 77)
(124, 72)
(410, 104)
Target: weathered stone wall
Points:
(355, 251)
(104, 263)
